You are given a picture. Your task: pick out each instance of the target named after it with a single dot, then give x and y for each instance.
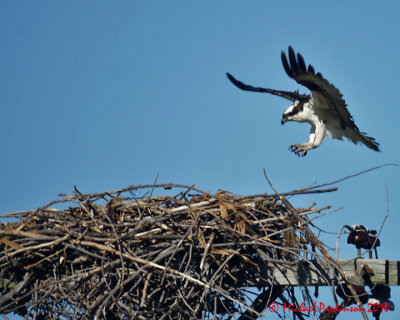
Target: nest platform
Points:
(153, 252)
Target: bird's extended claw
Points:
(294, 147)
(299, 149)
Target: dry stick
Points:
(43, 245)
(105, 301)
(304, 222)
(313, 239)
(283, 219)
(57, 252)
(309, 221)
(120, 255)
(212, 280)
(193, 224)
(271, 297)
(206, 249)
(383, 222)
(25, 234)
(263, 300)
(35, 298)
(157, 266)
(97, 196)
(290, 250)
(352, 175)
(183, 194)
(290, 193)
(195, 205)
(184, 300)
(144, 293)
(16, 289)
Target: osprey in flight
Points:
(324, 110)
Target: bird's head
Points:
(293, 112)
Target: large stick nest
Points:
(135, 254)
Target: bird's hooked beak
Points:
(284, 119)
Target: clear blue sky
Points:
(103, 95)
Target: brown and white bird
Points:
(325, 110)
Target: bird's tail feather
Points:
(368, 141)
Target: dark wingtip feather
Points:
(311, 69)
(293, 62)
(301, 63)
(237, 83)
(243, 86)
(286, 65)
(290, 50)
(233, 80)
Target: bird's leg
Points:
(317, 134)
(301, 149)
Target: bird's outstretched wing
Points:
(292, 96)
(325, 94)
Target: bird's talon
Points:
(298, 150)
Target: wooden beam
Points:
(386, 272)
(313, 272)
